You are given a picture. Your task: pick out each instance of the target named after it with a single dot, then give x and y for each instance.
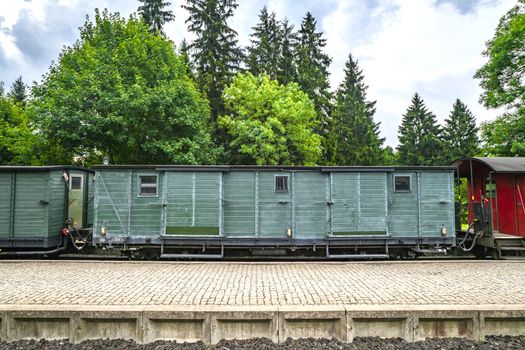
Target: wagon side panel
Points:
(194, 203)
(112, 197)
(309, 201)
(57, 202)
(437, 203)
(6, 205)
(240, 204)
(403, 213)
(31, 204)
(145, 206)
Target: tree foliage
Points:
(263, 55)
(269, 123)
(503, 81)
(216, 54)
(18, 92)
(354, 136)
(419, 136)
(17, 142)
(503, 76)
(184, 54)
(460, 134)
(312, 66)
(504, 136)
(122, 91)
(154, 13)
(287, 69)
(272, 49)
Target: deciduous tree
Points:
(122, 91)
(503, 81)
(17, 141)
(269, 123)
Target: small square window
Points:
(402, 183)
(148, 185)
(281, 183)
(76, 182)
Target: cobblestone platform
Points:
(192, 301)
(250, 284)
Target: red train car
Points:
(496, 203)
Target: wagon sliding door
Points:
(275, 204)
(6, 205)
(193, 203)
(358, 203)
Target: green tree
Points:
(504, 136)
(502, 76)
(263, 55)
(269, 123)
(18, 92)
(154, 13)
(389, 156)
(287, 67)
(460, 134)
(504, 86)
(354, 136)
(419, 136)
(17, 142)
(312, 67)
(184, 53)
(122, 91)
(216, 54)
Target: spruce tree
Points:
(312, 68)
(419, 136)
(215, 51)
(287, 68)
(184, 54)
(354, 136)
(263, 54)
(155, 15)
(18, 91)
(460, 134)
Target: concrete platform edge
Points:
(212, 323)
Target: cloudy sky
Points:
(403, 46)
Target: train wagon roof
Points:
(226, 168)
(28, 168)
(497, 164)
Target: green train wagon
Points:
(345, 212)
(36, 201)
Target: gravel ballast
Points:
(491, 343)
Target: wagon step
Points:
(358, 256)
(192, 255)
(384, 255)
(511, 249)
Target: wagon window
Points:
(148, 185)
(76, 182)
(281, 183)
(402, 183)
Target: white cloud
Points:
(419, 46)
